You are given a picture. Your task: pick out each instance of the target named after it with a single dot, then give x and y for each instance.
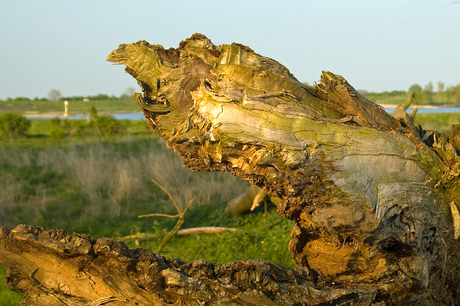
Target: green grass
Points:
(39, 133)
(441, 122)
(7, 297)
(103, 106)
(393, 98)
(259, 236)
(400, 97)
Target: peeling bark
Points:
(372, 196)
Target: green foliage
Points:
(416, 88)
(98, 97)
(457, 94)
(429, 87)
(21, 99)
(13, 124)
(59, 127)
(423, 96)
(95, 125)
(75, 106)
(106, 125)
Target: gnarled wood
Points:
(368, 193)
(54, 268)
(371, 195)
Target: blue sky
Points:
(375, 45)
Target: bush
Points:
(59, 128)
(106, 125)
(94, 125)
(13, 124)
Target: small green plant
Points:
(13, 124)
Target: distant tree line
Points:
(55, 95)
(13, 124)
(443, 95)
(426, 95)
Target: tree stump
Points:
(374, 198)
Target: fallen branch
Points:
(204, 231)
(61, 269)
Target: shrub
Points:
(59, 128)
(106, 125)
(94, 125)
(13, 124)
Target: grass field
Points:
(99, 186)
(38, 107)
(438, 122)
(387, 98)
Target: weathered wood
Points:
(371, 195)
(54, 268)
(400, 110)
(252, 198)
(243, 202)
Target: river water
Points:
(140, 116)
(436, 110)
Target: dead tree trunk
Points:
(374, 198)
